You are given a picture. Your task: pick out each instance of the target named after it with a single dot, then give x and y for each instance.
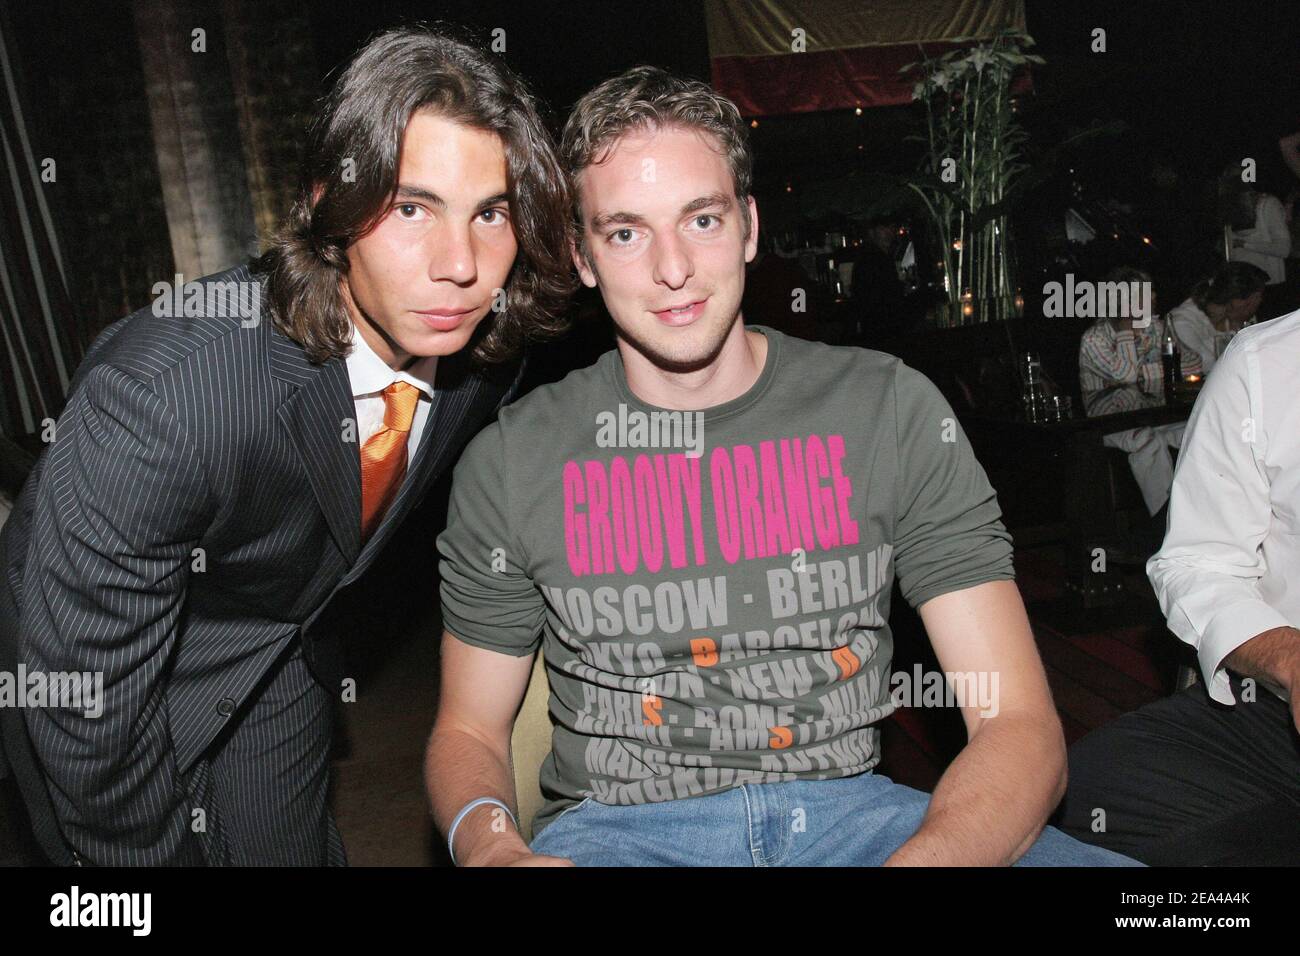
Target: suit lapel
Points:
(314, 417)
(456, 391)
(314, 414)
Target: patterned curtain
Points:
(195, 134)
(130, 158)
(38, 347)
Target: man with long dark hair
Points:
(233, 456)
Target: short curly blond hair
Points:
(646, 97)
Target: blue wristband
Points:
(451, 833)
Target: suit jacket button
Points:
(226, 706)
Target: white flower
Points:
(981, 58)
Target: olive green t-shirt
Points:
(711, 589)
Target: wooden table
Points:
(1087, 506)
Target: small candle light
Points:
(1020, 304)
(967, 305)
(1191, 378)
(956, 245)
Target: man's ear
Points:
(751, 244)
(585, 271)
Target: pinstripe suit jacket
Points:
(198, 509)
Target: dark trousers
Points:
(1186, 781)
(264, 786)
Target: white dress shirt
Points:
(1229, 568)
(370, 375)
(1267, 244)
(1195, 330)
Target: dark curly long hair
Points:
(349, 179)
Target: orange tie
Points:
(383, 456)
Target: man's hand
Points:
(490, 847)
(1272, 656)
(1288, 666)
(513, 853)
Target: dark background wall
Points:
(1196, 83)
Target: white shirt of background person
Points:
(1269, 243)
(1227, 569)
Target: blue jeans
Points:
(849, 821)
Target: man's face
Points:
(425, 275)
(665, 236)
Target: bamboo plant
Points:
(973, 162)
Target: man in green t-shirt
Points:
(700, 532)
